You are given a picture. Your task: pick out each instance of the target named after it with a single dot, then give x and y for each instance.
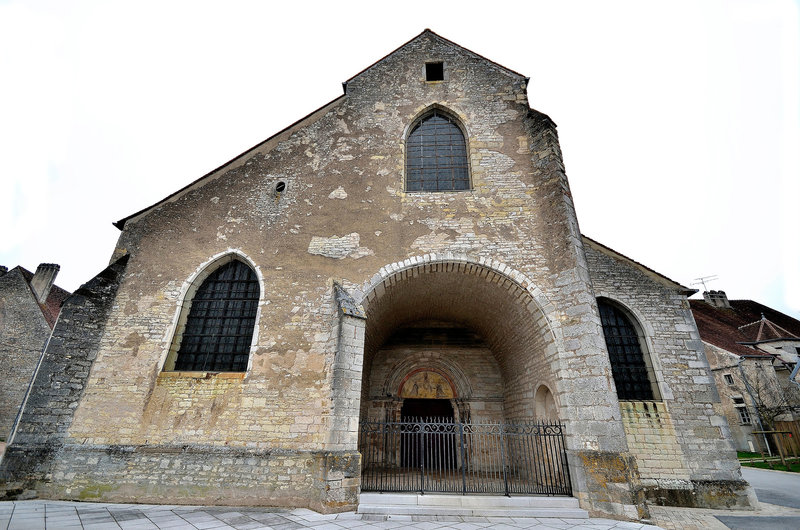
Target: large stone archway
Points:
(517, 336)
(466, 345)
(470, 322)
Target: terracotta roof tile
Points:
(728, 328)
(52, 306)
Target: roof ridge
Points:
(687, 290)
(121, 223)
(446, 40)
(764, 321)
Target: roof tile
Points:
(728, 328)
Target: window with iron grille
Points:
(626, 354)
(436, 155)
(728, 379)
(741, 408)
(219, 327)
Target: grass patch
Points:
(794, 467)
(764, 461)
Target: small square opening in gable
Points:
(434, 71)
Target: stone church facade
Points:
(347, 251)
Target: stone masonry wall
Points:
(23, 334)
(685, 384)
(59, 384)
(346, 374)
(725, 363)
(650, 430)
(206, 475)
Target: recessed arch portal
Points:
(490, 333)
(427, 383)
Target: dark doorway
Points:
(428, 438)
(440, 409)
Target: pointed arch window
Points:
(221, 318)
(627, 351)
(436, 155)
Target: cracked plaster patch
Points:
(339, 247)
(338, 193)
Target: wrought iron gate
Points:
(440, 455)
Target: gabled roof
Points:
(274, 139)
(306, 120)
(765, 330)
(733, 328)
(428, 32)
(657, 276)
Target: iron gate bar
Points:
(444, 456)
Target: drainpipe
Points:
(21, 409)
(794, 374)
(753, 400)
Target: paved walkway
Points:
(766, 516)
(62, 515)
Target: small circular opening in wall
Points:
(280, 186)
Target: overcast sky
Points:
(679, 121)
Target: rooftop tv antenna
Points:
(703, 279)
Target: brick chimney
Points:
(43, 280)
(717, 299)
(3, 270)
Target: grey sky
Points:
(679, 121)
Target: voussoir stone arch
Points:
(421, 113)
(641, 319)
(460, 263)
(451, 371)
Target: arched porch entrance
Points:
(453, 353)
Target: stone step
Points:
(469, 505)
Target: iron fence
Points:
(441, 455)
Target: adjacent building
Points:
(29, 307)
(753, 352)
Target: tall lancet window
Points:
(436, 155)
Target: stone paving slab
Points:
(61, 515)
